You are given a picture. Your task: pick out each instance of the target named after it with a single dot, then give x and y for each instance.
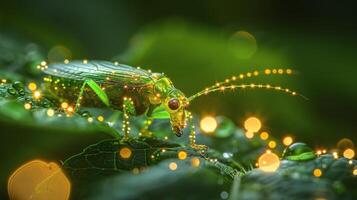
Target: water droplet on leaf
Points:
(298, 152)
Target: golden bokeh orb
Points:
(264, 135)
(32, 86)
(249, 134)
(208, 124)
(252, 124)
(182, 155)
(349, 153)
(317, 172)
(287, 140)
(195, 162)
(268, 162)
(272, 144)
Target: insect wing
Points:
(101, 72)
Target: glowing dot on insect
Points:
(166, 138)
(66, 61)
(324, 151)
(349, 153)
(32, 86)
(50, 112)
(43, 63)
(37, 94)
(85, 61)
(64, 105)
(173, 166)
(264, 135)
(280, 71)
(182, 155)
(287, 140)
(350, 162)
(249, 134)
(208, 124)
(27, 106)
(318, 152)
(163, 150)
(268, 162)
(317, 172)
(100, 118)
(274, 71)
(252, 124)
(125, 152)
(272, 144)
(3, 80)
(289, 71)
(195, 162)
(267, 71)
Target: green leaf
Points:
(101, 94)
(160, 113)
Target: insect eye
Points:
(174, 104)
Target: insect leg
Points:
(199, 147)
(96, 88)
(145, 129)
(128, 109)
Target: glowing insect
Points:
(134, 91)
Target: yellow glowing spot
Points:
(64, 105)
(318, 152)
(272, 144)
(267, 71)
(287, 140)
(85, 61)
(3, 80)
(100, 118)
(354, 172)
(289, 71)
(37, 94)
(182, 155)
(317, 172)
(195, 162)
(324, 151)
(249, 134)
(280, 71)
(173, 166)
(27, 106)
(274, 71)
(66, 61)
(70, 109)
(39, 180)
(269, 162)
(264, 135)
(50, 112)
(349, 153)
(43, 63)
(90, 119)
(125, 153)
(208, 124)
(32, 86)
(252, 124)
(166, 138)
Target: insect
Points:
(134, 91)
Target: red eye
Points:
(174, 104)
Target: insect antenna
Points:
(223, 88)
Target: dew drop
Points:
(298, 152)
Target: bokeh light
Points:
(264, 135)
(182, 155)
(173, 166)
(252, 124)
(243, 44)
(32, 86)
(50, 112)
(287, 140)
(344, 144)
(208, 124)
(39, 180)
(195, 162)
(349, 153)
(249, 134)
(268, 162)
(125, 153)
(27, 106)
(317, 172)
(272, 144)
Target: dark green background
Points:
(315, 37)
